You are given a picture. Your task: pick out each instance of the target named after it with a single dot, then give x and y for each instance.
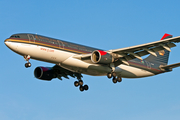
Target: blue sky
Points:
(104, 24)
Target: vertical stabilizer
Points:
(162, 56)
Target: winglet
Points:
(166, 36)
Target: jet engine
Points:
(102, 57)
(44, 73)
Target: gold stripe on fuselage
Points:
(43, 44)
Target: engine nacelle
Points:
(44, 73)
(102, 57)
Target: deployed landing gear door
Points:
(31, 38)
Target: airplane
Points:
(73, 60)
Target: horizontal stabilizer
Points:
(170, 67)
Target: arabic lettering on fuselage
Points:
(60, 43)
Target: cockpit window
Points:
(15, 36)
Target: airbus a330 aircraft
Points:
(72, 59)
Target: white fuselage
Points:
(66, 60)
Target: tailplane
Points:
(162, 55)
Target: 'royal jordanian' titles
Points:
(73, 60)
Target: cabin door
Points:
(31, 38)
(61, 45)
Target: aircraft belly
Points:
(98, 70)
(80, 66)
(42, 53)
(132, 72)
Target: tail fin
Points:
(162, 56)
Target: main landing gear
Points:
(27, 58)
(114, 76)
(80, 84)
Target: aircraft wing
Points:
(137, 48)
(62, 72)
(123, 55)
(137, 51)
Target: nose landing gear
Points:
(27, 58)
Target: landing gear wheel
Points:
(28, 65)
(81, 88)
(114, 74)
(76, 83)
(109, 75)
(119, 79)
(80, 82)
(114, 80)
(86, 87)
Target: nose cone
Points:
(7, 43)
(11, 45)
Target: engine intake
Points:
(44, 73)
(102, 57)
